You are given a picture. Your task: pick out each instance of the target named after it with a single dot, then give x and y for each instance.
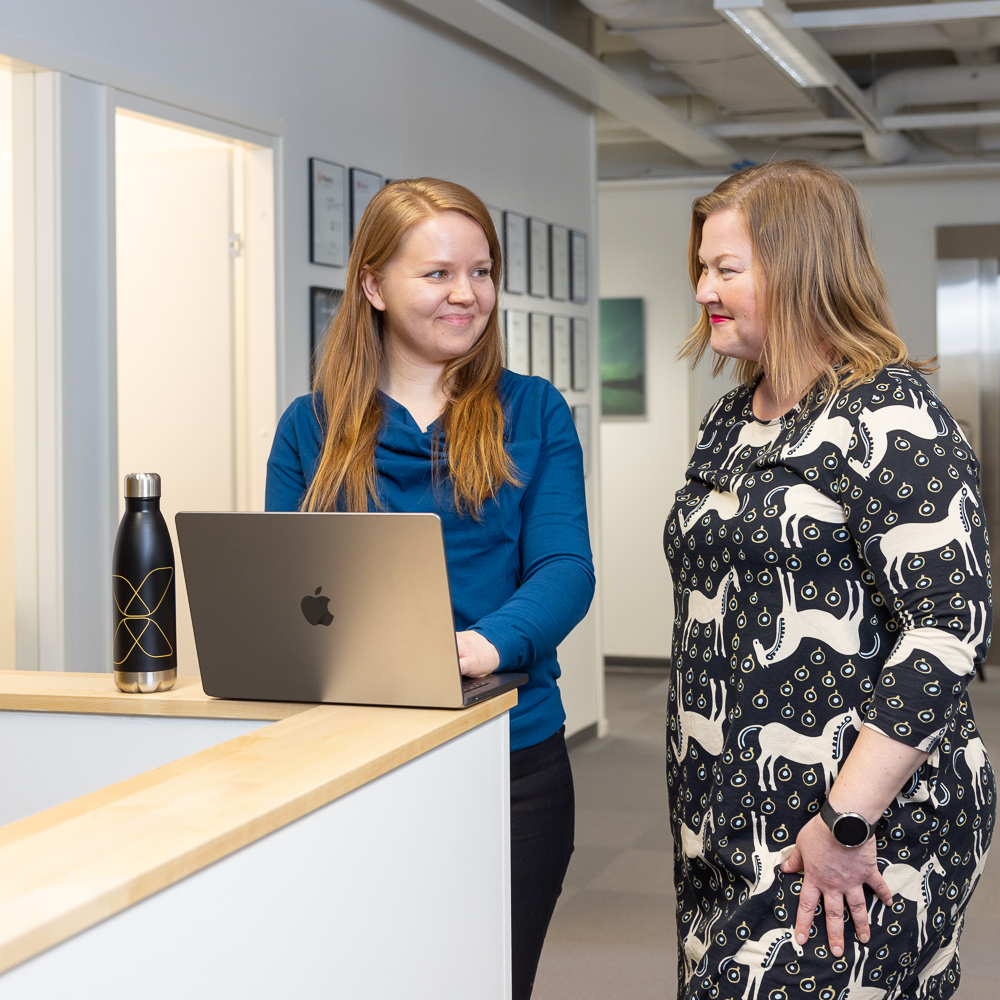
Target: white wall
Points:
(643, 243)
(365, 84)
(368, 84)
(7, 652)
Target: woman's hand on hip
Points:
(837, 875)
(477, 656)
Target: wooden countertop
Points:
(59, 872)
(51, 691)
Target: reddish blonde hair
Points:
(347, 373)
(821, 296)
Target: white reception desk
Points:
(176, 845)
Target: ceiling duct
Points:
(928, 87)
(691, 40)
(935, 85)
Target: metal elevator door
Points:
(968, 347)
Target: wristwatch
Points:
(848, 829)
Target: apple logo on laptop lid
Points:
(315, 609)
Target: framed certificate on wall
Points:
(541, 345)
(562, 353)
(581, 354)
(515, 251)
(578, 265)
(518, 343)
(497, 216)
(364, 186)
(559, 253)
(538, 257)
(327, 213)
(323, 306)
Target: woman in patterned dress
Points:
(831, 801)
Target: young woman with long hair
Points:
(414, 412)
(830, 800)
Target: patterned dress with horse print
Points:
(831, 570)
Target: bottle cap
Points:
(142, 484)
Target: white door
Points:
(181, 324)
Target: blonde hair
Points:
(821, 297)
(347, 373)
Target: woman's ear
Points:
(371, 286)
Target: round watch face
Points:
(851, 831)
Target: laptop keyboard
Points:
(471, 684)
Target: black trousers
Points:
(541, 842)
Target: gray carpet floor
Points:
(613, 933)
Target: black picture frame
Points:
(539, 270)
(365, 184)
(327, 213)
(323, 306)
(515, 252)
(579, 266)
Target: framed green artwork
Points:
(623, 358)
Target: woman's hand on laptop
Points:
(477, 656)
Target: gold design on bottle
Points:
(137, 615)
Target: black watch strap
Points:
(848, 829)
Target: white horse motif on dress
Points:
(875, 426)
(981, 854)
(854, 990)
(940, 961)
(692, 726)
(802, 500)
(823, 429)
(694, 843)
(777, 740)
(764, 860)
(906, 539)
(761, 955)
(704, 610)
(976, 759)
(695, 946)
(958, 655)
(843, 634)
(726, 503)
(918, 790)
(914, 884)
(754, 434)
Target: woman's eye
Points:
(437, 274)
(481, 272)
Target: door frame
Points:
(66, 489)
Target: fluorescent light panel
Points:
(770, 39)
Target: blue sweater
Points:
(522, 575)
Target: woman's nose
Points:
(461, 290)
(706, 293)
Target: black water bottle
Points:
(145, 641)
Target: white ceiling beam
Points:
(943, 119)
(920, 13)
(841, 126)
(755, 130)
(504, 29)
(771, 26)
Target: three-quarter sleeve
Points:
(557, 572)
(909, 486)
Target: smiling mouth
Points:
(716, 318)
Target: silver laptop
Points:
(346, 608)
